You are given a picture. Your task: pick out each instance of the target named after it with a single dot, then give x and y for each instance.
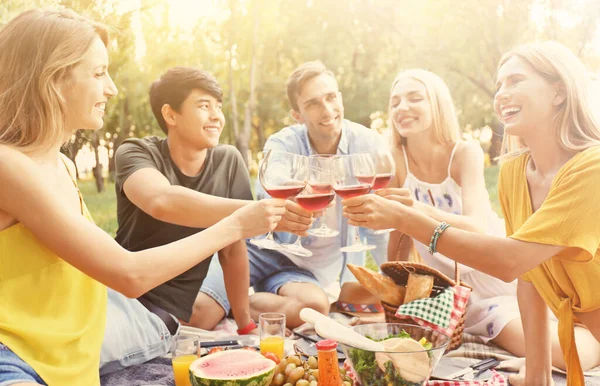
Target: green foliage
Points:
(365, 42)
(491, 183)
(102, 206)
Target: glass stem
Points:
(356, 238)
(270, 236)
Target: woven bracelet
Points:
(436, 235)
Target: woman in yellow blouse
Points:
(54, 262)
(548, 190)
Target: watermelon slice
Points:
(232, 368)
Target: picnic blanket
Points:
(474, 348)
(159, 371)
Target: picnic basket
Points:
(398, 271)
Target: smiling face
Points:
(87, 90)
(320, 108)
(410, 110)
(524, 100)
(199, 120)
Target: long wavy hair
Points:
(576, 126)
(38, 50)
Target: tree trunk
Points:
(98, 168)
(244, 139)
(71, 150)
(121, 136)
(233, 100)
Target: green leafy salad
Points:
(392, 369)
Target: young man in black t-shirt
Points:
(169, 188)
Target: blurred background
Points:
(251, 46)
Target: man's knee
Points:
(207, 312)
(306, 295)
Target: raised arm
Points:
(505, 259)
(148, 189)
(68, 234)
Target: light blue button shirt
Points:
(355, 139)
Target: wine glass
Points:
(353, 175)
(385, 169)
(314, 197)
(282, 175)
(319, 180)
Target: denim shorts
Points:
(269, 271)
(14, 370)
(133, 334)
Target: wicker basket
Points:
(399, 270)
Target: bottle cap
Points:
(327, 344)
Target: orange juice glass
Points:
(184, 350)
(272, 333)
(272, 344)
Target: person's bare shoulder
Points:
(70, 164)
(398, 154)
(16, 170)
(468, 160)
(468, 151)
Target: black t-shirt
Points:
(224, 174)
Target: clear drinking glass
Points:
(272, 333)
(353, 175)
(385, 170)
(320, 181)
(185, 349)
(282, 175)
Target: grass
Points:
(103, 206)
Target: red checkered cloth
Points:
(461, 297)
(496, 380)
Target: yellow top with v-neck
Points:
(569, 217)
(51, 314)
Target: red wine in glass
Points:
(353, 190)
(365, 179)
(285, 192)
(353, 175)
(315, 202)
(321, 187)
(382, 180)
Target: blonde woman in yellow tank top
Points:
(55, 263)
(548, 190)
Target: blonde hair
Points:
(443, 113)
(300, 76)
(576, 126)
(38, 50)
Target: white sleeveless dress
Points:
(493, 303)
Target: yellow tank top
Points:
(569, 281)
(51, 314)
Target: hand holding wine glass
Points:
(283, 175)
(385, 169)
(353, 176)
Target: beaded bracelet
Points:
(436, 235)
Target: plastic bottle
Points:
(329, 372)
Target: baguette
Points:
(379, 285)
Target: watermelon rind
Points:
(231, 357)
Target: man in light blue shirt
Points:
(284, 282)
